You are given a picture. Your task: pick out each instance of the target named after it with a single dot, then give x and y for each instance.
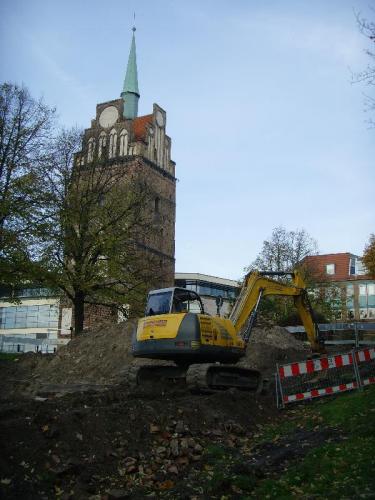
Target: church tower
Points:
(119, 138)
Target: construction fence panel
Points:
(355, 333)
(365, 361)
(315, 378)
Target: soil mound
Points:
(100, 355)
(95, 356)
(271, 345)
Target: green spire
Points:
(130, 93)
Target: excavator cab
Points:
(173, 300)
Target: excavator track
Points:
(136, 376)
(198, 378)
(217, 377)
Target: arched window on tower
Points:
(167, 152)
(112, 143)
(102, 143)
(123, 142)
(151, 143)
(90, 149)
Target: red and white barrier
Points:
(333, 374)
(315, 365)
(365, 355)
(315, 393)
(365, 358)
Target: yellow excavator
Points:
(205, 348)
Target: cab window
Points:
(186, 301)
(158, 303)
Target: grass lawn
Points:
(342, 467)
(9, 355)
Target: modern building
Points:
(215, 292)
(356, 297)
(34, 322)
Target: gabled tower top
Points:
(130, 93)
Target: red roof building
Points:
(346, 271)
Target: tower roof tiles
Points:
(140, 126)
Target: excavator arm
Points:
(256, 286)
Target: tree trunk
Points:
(79, 315)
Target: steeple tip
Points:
(130, 93)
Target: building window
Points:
(112, 143)
(352, 266)
(371, 295)
(360, 269)
(91, 149)
(363, 313)
(28, 292)
(157, 205)
(102, 143)
(330, 268)
(45, 316)
(349, 296)
(337, 314)
(123, 142)
(101, 200)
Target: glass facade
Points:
(360, 300)
(366, 300)
(208, 289)
(27, 293)
(44, 316)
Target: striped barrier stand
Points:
(365, 361)
(315, 378)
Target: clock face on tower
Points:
(108, 116)
(159, 118)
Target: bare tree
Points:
(284, 250)
(367, 76)
(89, 242)
(25, 132)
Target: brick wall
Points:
(317, 266)
(157, 170)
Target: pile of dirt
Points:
(95, 356)
(100, 355)
(272, 345)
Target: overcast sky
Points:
(266, 126)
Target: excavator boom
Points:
(258, 285)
